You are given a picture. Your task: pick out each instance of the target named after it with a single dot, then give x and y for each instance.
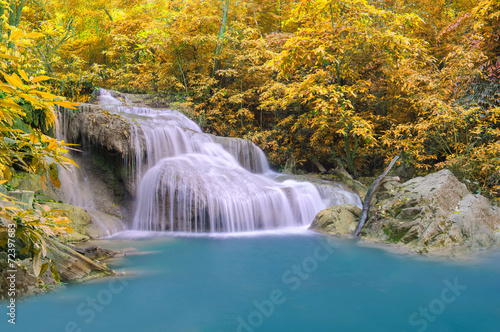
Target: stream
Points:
(288, 280)
(220, 244)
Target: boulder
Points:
(73, 266)
(79, 221)
(43, 189)
(434, 214)
(88, 224)
(90, 123)
(337, 220)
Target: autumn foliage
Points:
(308, 81)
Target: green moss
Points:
(111, 167)
(395, 209)
(395, 233)
(28, 181)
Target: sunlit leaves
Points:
(29, 149)
(308, 80)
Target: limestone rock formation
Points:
(433, 214)
(337, 220)
(88, 224)
(71, 266)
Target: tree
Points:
(10, 16)
(27, 148)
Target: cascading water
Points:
(191, 181)
(78, 188)
(75, 187)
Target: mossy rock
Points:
(72, 266)
(23, 199)
(44, 190)
(80, 220)
(337, 220)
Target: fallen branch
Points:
(346, 178)
(369, 196)
(320, 167)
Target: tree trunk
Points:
(109, 15)
(346, 178)
(369, 196)
(19, 10)
(15, 11)
(220, 39)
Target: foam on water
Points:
(145, 235)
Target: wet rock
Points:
(97, 253)
(103, 224)
(94, 125)
(79, 221)
(73, 266)
(88, 224)
(435, 214)
(337, 220)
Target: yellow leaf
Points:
(33, 138)
(54, 176)
(37, 264)
(8, 56)
(33, 35)
(14, 80)
(31, 99)
(66, 104)
(40, 79)
(16, 35)
(9, 104)
(23, 75)
(6, 173)
(52, 145)
(44, 95)
(7, 88)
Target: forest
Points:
(320, 86)
(310, 82)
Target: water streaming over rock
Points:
(191, 181)
(75, 187)
(79, 188)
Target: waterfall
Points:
(79, 188)
(75, 187)
(191, 181)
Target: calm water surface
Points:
(294, 281)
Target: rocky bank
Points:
(435, 214)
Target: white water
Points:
(75, 187)
(194, 182)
